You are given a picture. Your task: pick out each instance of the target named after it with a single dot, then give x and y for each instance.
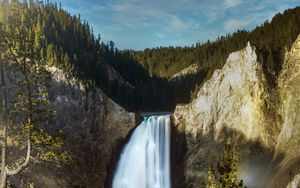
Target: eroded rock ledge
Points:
(237, 105)
(94, 128)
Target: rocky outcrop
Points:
(114, 75)
(289, 138)
(94, 127)
(295, 183)
(237, 105)
(190, 70)
(289, 90)
(233, 98)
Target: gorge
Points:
(91, 115)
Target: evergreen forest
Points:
(138, 80)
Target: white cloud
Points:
(167, 22)
(216, 9)
(176, 23)
(231, 3)
(160, 35)
(232, 25)
(247, 21)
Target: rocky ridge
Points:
(190, 70)
(237, 105)
(94, 126)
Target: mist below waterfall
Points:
(145, 159)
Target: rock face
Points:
(232, 98)
(114, 75)
(295, 183)
(237, 105)
(289, 89)
(190, 70)
(289, 138)
(94, 128)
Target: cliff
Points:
(288, 141)
(237, 105)
(94, 126)
(190, 70)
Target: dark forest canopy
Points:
(272, 37)
(138, 80)
(68, 42)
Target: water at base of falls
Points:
(145, 160)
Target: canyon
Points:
(235, 106)
(238, 106)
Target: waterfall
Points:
(145, 159)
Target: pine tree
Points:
(227, 168)
(211, 178)
(31, 105)
(67, 63)
(39, 37)
(51, 55)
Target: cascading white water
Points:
(145, 160)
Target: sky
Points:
(140, 24)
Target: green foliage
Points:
(148, 71)
(272, 37)
(22, 35)
(68, 42)
(293, 173)
(211, 178)
(227, 168)
(51, 57)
